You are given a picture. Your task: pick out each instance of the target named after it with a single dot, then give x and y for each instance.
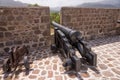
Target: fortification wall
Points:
(24, 26)
(92, 22)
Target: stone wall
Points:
(31, 26)
(24, 26)
(118, 25)
(92, 22)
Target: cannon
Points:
(62, 44)
(16, 54)
(76, 41)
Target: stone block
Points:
(19, 18)
(16, 12)
(35, 28)
(1, 35)
(67, 18)
(6, 49)
(36, 20)
(8, 34)
(42, 39)
(46, 32)
(45, 19)
(116, 71)
(32, 77)
(37, 32)
(41, 44)
(118, 30)
(3, 18)
(3, 29)
(43, 72)
(10, 18)
(17, 42)
(107, 73)
(26, 41)
(34, 45)
(50, 74)
(1, 45)
(9, 43)
(3, 23)
(58, 78)
(7, 11)
(35, 39)
(11, 28)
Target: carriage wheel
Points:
(6, 65)
(26, 63)
(67, 64)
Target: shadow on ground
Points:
(103, 41)
(42, 54)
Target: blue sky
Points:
(57, 3)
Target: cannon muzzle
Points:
(70, 34)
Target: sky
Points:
(57, 3)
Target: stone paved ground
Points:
(48, 66)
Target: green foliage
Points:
(33, 5)
(55, 16)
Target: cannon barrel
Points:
(76, 41)
(70, 34)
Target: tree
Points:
(33, 5)
(55, 16)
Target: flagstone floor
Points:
(48, 66)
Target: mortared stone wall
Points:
(92, 22)
(24, 26)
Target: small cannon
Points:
(75, 41)
(15, 56)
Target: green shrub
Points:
(55, 16)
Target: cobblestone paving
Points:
(48, 66)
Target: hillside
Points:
(11, 3)
(102, 4)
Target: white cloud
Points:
(57, 3)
